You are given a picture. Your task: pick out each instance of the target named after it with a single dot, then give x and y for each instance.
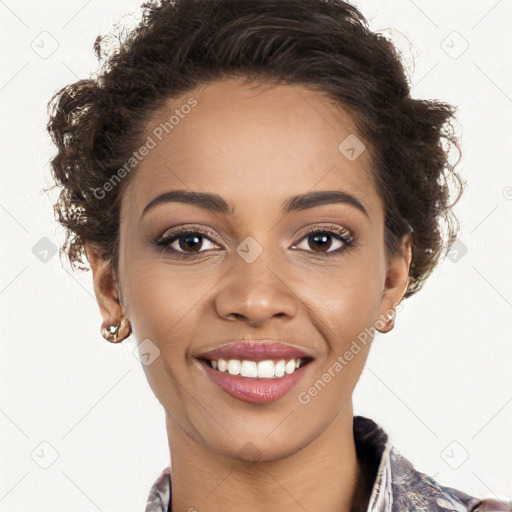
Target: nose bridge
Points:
(255, 289)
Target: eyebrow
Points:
(215, 203)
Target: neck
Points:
(323, 475)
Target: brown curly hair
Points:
(97, 123)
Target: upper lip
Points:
(255, 351)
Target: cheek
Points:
(344, 315)
(162, 298)
(164, 306)
(347, 298)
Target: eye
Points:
(321, 240)
(185, 240)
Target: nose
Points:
(255, 293)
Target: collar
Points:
(398, 487)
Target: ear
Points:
(395, 286)
(105, 287)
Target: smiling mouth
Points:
(266, 369)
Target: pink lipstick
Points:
(253, 371)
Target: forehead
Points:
(261, 143)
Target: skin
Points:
(256, 147)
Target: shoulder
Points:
(399, 487)
(160, 493)
(413, 490)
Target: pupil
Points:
(323, 239)
(186, 240)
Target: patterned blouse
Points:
(398, 487)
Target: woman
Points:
(256, 192)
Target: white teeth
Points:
(248, 369)
(266, 369)
(234, 367)
(262, 369)
(279, 368)
(290, 367)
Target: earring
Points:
(387, 326)
(112, 332)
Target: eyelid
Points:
(187, 228)
(336, 228)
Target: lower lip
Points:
(254, 390)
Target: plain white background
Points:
(80, 428)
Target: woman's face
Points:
(248, 269)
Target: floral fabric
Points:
(398, 487)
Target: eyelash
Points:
(164, 242)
